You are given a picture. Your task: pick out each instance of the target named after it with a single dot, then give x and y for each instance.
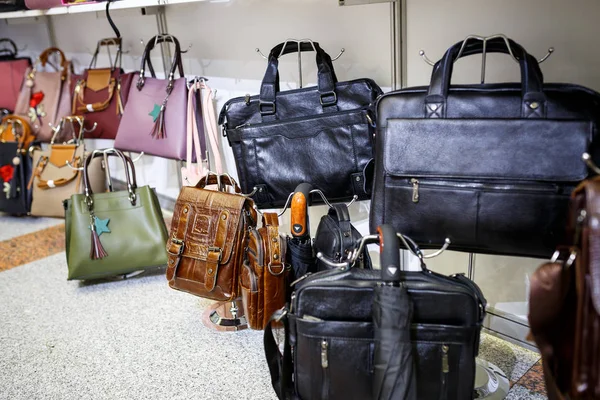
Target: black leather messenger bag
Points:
(330, 335)
(489, 166)
(322, 135)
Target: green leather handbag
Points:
(114, 233)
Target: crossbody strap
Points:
(210, 121)
(193, 137)
(280, 365)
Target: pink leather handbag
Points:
(12, 72)
(154, 121)
(42, 4)
(201, 117)
(45, 95)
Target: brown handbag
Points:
(101, 93)
(206, 242)
(564, 304)
(263, 279)
(45, 96)
(57, 172)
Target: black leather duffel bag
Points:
(330, 350)
(489, 166)
(322, 135)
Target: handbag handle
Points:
(59, 129)
(129, 175)
(389, 250)
(176, 63)
(533, 98)
(220, 180)
(24, 137)
(11, 53)
(326, 80)
(117, 42)
(64, 64)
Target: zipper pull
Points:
(445, 366)
(247, 99)
(324, 359)
(415, 195)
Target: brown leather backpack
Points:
(564, 304)
(264, 276)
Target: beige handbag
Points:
(57, 171)
(45, 95)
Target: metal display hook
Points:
(105, 152)
(321, 194)
(485, 39)
(298, 42)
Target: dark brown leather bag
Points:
(207, 238)
(564, 304)
(264, 277)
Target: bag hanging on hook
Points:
(12, 73)
(154, 121)
(100, 94)
(57, 171)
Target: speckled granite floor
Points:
(136, 338)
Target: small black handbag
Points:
(332, 335)
(489, 166)
(336, 238)
(321, 134)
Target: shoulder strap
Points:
(280, 365)
(210, 121)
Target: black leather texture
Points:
(322, 135)
(15, 198)
(336, 307)
(489, 166)
(336, 237)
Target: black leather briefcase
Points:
(329, 348)
(322, 135)
(489, 166)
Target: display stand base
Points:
(490, 381)
(226, 316)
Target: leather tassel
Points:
(97, 251)
(159, 131)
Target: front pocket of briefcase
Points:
(249, 288)
(444, 358)
(333, 359)
(324, 150)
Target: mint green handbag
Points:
(114, 233)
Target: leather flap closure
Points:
(61, 153)
(98, 79)
(215, 224)
(503, 149)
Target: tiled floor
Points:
(27, 241)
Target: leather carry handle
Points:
(326, 81)
(24, 137)
(64, 64)
(12, 53)
(389, 247)
(77, 137)
(534, 100)
(220, 180)
(129, 172)
(176, 63)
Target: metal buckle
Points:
(284, 312)
(273, 273)
(177, 242)
(329, 103)
(264, 104)
(216, 249)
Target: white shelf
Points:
(94, 7)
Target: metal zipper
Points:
(445, 371)
(324, 356)
(325, 367)
(415, 194)
(259, 247)
(306, 118)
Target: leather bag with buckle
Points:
(57, 172)
(207, 238)
(322, 135)
(489, 166)
(564, 304)
(12, 72)
(15, 165)
(114, 233)
(330, 334)
(264, 277)
(100, 94)
(154, 120)
(46, 95)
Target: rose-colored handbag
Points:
(42, 4)
(201, 122)
(100, 94)
(154, 121)
(45, 96)
(12, 71)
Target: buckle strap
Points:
(176, 244)
(215, 252)
(275, 263)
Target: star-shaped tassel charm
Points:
(101, 225)
(155, 112)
